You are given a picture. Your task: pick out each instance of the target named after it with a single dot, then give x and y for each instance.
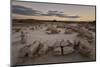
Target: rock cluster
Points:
(83, 43)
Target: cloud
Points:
(60, 14)
(17, 9)
(24, 10)
(73, 16)
(55, 13)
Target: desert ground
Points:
(58, 42)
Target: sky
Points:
(50, 11)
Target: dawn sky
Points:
(70, 12)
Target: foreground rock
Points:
(83, 42)
(63, 48)
(43, 49)
(34, 48)
(57, 51)
(68, 50)
(28, 51)
(85, 47)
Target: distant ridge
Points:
(35, 20)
